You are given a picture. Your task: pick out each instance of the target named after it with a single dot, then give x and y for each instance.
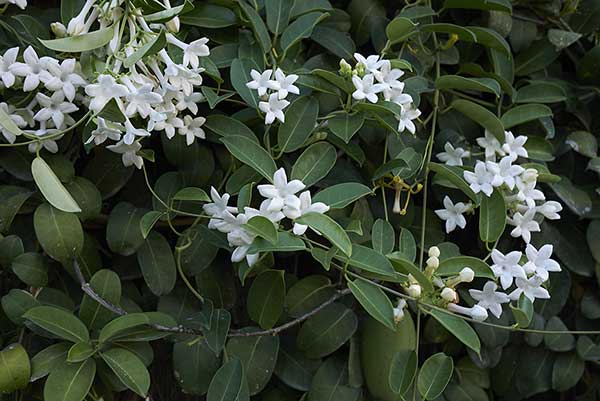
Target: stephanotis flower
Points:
(405, 119)
(281, 194)
(128, 153)
(22, 4)
(504, 172)
(489, 298)
(366, 88)
(506, 267)
(491, 146)
(16, 118)
(273, 109)
(453, 156)
(34, 69)
(64, 78)
(453, 214)
(105, 130)
(262, 82)
(54, 108)
(104, 90)
(524, 225)
(531, 288)
(306, 206)
(285, 84)
(480, 180)
(371, 64)
(513, 147)
(192, 129)
(6, 61)
(539, 262)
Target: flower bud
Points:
(529, 176)
(173, 25)
(345, 69)
(397, 208)
(433, 262)
(449, 294)
(466, 275)
(399, 311)
(434, 251)
(414, 290)
(478, 313)
(58, 29)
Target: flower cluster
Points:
(151, 93)
(280, 202)
(374, 79)
(53, 86)
(517, 184)
(273, 89)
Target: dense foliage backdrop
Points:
(299, 200)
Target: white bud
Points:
(434, 251)
(449, 294)
(58, 29)
(478, 313)
(530, 175)
(466, 275)
(414, 290)
(433, 262)
(399, 311)
(173, 25)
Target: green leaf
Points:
(59, 233)
(258, 26)
(286, 242)
(453, 266)
(459, 328)
(15, 368)
(337, 42)
(494, 5)
(455, 176)
(487, 85)
(150, 48)
(240, 75)
(402, 371)
(314, 163)
(31, 268)
(194, 366)
(406, 267)
(123, 233)
(225, 126)
(435, 375)
(326, 331)
(583, 142)
(48, 359)
(79, 352)
(541, 92)
(129, 369)
(555, 341)
(278, 14)
(588, 66)
(252, 154)
(492, 217)
(70, 381)
(51, 187)
(462, 32)
(480, 115)
(229, 383)
(344, 126)
(369, 260)
(220, 321)
(258, 355)
(491, 39)
(307, 294)
(332, 381)
(329, 229)
(374, 300)
(107, 284)
(81, 43)
(13, 199)
(87, 196)
(383, 237)
(525, 113)
(301, 117)
(399, 29)
(263, 227)
(148, 221)
(294, 369)
(59, 322)
(157, 264)
(266, 298)
(116, 327)
(567, 371)
(523, 312)
(209, 16)
(300, 29)
(339, 196)
(538, 56)
(562, 39)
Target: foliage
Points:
(219, 199)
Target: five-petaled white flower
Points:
(129, 155)
(286, 84)
(453, 156)
(524, 225)
(6, 61)
(491, 145)
(261, 82)
(16, 118)
(406, 117)
(105, 130)
(193, 51)
(34, 69)
(539, 261)
(218, 209)
(549, 210)
(489, 298)
(282, 194)
(504, 172)
(131, 132)
(192, 129)
(366, 88)
(389, 77)
(54, 108)
(531, 287)
(506, 267)
(306, 206)
(371, 63)
(104, 90)
(480, 180)
(273, 109)
(453, 214)
(513, 147)
(64, 78)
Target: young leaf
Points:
(374, 300)
(192, 194)
(148, 221)
(329, 229)
(266, 298)
(51, 187)
(252, 154)
(80, 351)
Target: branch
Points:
(180, 329)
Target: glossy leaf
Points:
(252, 154)
(434, 375)
(329, 229)
(51, 187)
(266, 298)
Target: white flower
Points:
(371, 64)
(16, 118)
(506, 267)
(399, 310)
(273, 109)
(389, 78)
(20, 3)
(398, 97)
(408, 114)
(105, 130)
(448, 294)
(539, 261)
(262, 82)
(282, 193)
(275, 216)
(504, 172)
(286, 84)
(192, 51)
(218, 209)
(128, 153)
(414, 290)
(453, 214)
(54, 108)
(466, 275)
(514, 146)
(480, 180)
(528, 193)
(531, 287)
(6, 61)
(491, 146)
(34, 69)
(524, 225)
(169, 125)
(453, 156)
(366, 89)
(77, 25)
(139, 99)
(49, 144)
(64, 78)
(104, 90)
(477, 312)
(181, 77)
(549, 210)
(190, 102)
(306, 206)
(489, 298)
(192, 129)
(131, 132)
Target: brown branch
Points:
(180, 329)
